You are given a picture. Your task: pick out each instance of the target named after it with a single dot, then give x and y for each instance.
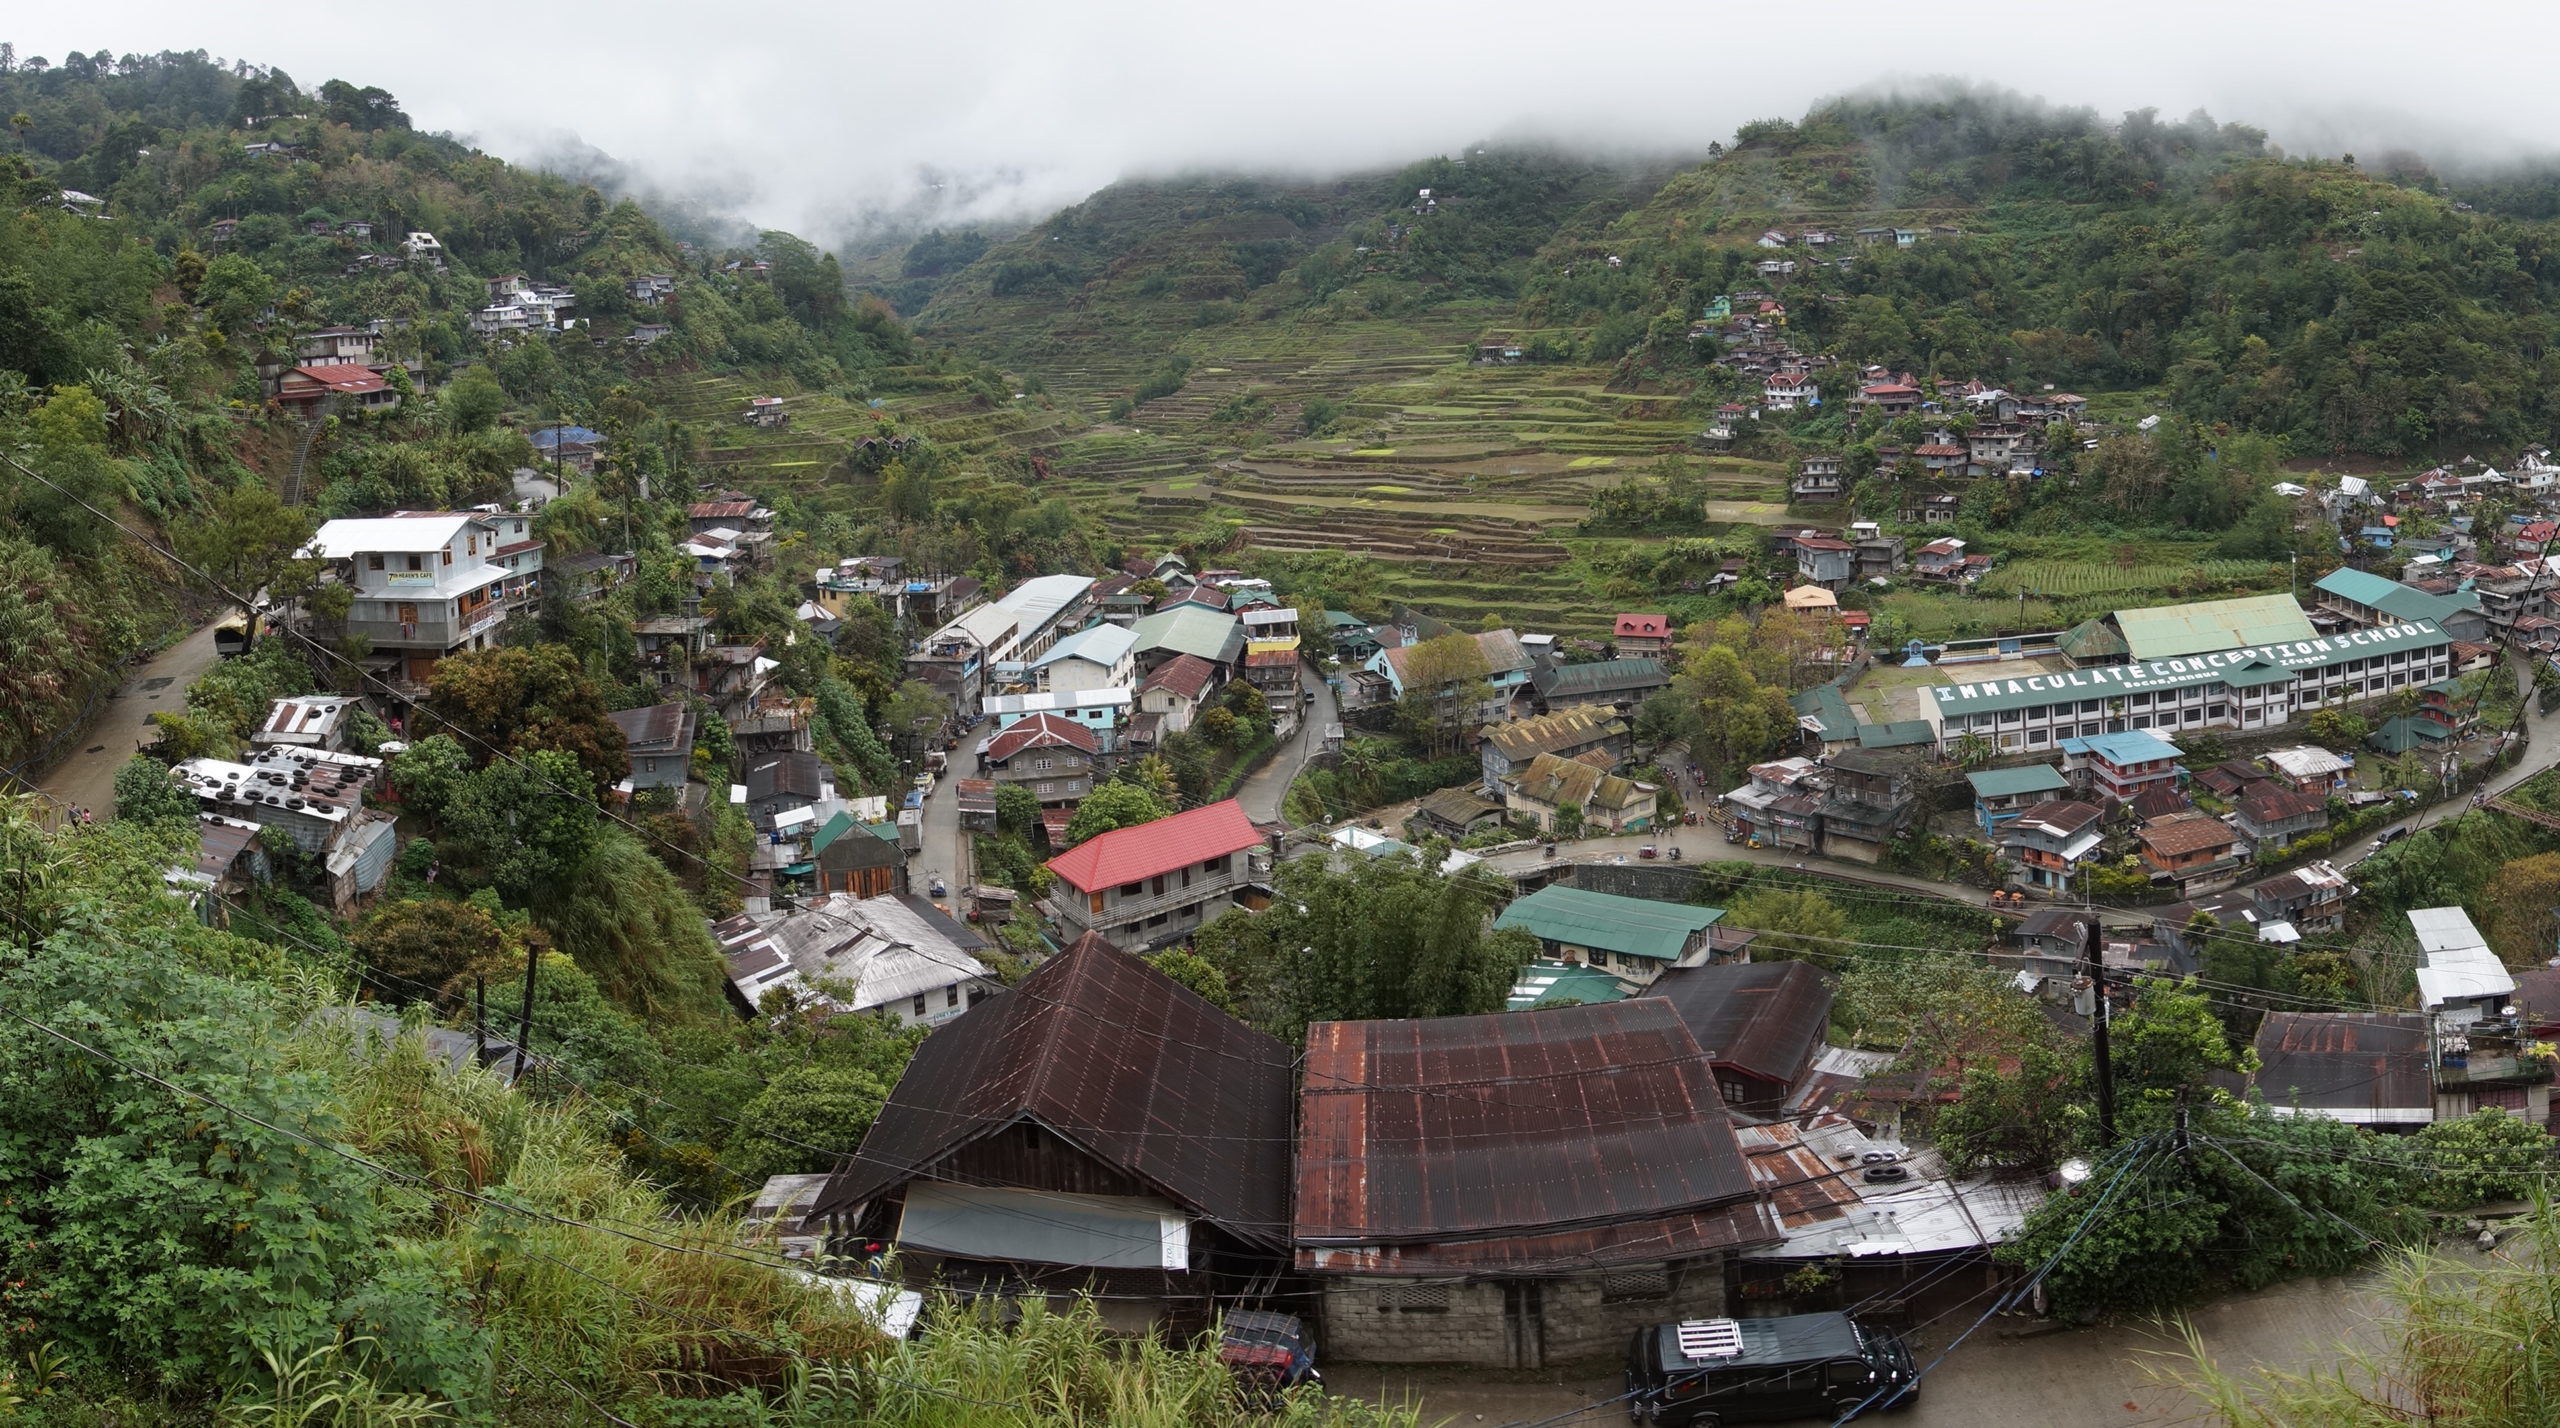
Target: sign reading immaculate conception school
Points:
(1992, 695)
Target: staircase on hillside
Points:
(302, 454)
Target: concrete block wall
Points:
(1471, 1330)
(1471, 1322)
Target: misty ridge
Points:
(1931, 139)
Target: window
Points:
(1414, 1299)
(1129, 889)
(415, 563)
(1630, 1285)
(447, 553)
(1735, 1093)
(1155, 887)
(471, 543)
(2088, 706)
(1217, 864)
(373, 562)
(919, 1004)
(951, 995)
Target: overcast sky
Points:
(799, 112)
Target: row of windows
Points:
(1155, 887)
(2214, 700)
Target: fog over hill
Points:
(833, 119)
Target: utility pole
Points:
(2092, 955)
(524, 1020)
(479, 1020)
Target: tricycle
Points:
(1268, 1354)
(1675, 852)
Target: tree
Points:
(517, 699)
(2486, 1155)
(1385, 937)
(147, 793)
(1446, 686)
(1199, 975)
(2168, 1046)
(1114, 805)
(2337, 729)
(420, 944)
(2521, 906)
(471, 401)
(2028, 1118)
(246, 540)
(1017, 811)
(1792, 922)
(509, 824)
(1740, 719)
(848, 737)
(913, 713)
(1220, 727)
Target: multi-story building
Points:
(1155, 883)
(2257, 687)
(1010, 632)
(2050, 842)
(2122, 767)
(426, 584)
(1049, 755)
(2369, 599)
(2195, 850)
(1869, 800)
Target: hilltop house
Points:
(1618, 1216)
(1097, 1127)
(1818, 478)
(426, 585)
(1600, 802)
(1760, 1025)
(2002, 794)
(1635, 635)
(2271, 817)
(2194, 850)
(1823, 561)
(1155, 883)
(1616, 684)
(316, 797)
(660, 740)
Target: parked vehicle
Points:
(1648, 851)
(1708, 1373)
(1268, 1353)
(2389, 836)
(1675, 852)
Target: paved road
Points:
(946, 852)
(1266, 788)
(2101, 1376)
(87, 775)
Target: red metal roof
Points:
(1041, 731)
(1644, 624)
(1483, 1138)
(1126, 855)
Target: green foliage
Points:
(1386, 937)
(519, 701)
(1792, 922)
(2488, 1155)
(1017, 811)
(847, 738)
(145, 793)
(1199, 975)
(1114, 805)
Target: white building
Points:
(427, 584)
(895, 955)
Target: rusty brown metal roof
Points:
(1515, 1141)
(1762, 1018)
(1120, 1061)
(2354, 1066)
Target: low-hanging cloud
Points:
(832, 118)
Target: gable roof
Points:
(1185, 675)
(1125, 855)
(1213, 635)
(659, 728)
(2400, 602)
(1761, 1018)
(1573, 783)
(1608, 676)
(1632, 926)
(1583, 1135)
(2364, 1067)
(1117, 1059)
(1041, 731)
(1658, 626)
(1105, 645)
(2129, 746)
(2207, 626)
(2182, 833)
(796, 774)
(1525, 739)
(343, 376)
(2003, 783)
(2269, 804)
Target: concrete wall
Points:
(1515, 1323)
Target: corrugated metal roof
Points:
(2363, 1067)
(1191, 630)
(2002, 783)
(1762, 1018)
(1125, 855)
(1636, 927)
(1593, 1131)
(2168, 631)
(1116, 1058)
(1543, 983)
(2257, 665)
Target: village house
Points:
(2054, 941)
(1823, 561)
(425, 583)
(1939, 560)
(790, 794)
(2050, 842)
(322, 387)
(1868, 801)
(1096, 657)
(1620, 1216)
(1877, 556)
(316, 796)
(2119, 767)
(1759, 1024)
(669, 645)
(858, 859)
(1158, 882)
(1455, 814)
(1634, 635)
(1890, 398)
(2272, 817)
(1098, 1128)
(2367, 599)
(2002, 794)
(660, 740)
(1786, 391)
(1600, 803)
(1572, 732)
(896, 956)
(1633, 939)
(1051, 756)
(2190, 849)
(1941, 455)
(1616, 684)
(309, 721)
(2480, 1052)
(1818, 478)
(1175, 691)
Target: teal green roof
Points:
(2263, 664)
(837, 827)
(2168, 631)
(1823, 703)
(2006, 783)
(2092, 638)
(1631, 926)
(1898, 735)
(1545, 984)
(2400, 602)
(2399, 736)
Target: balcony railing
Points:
(427, 634)
(1119, 912)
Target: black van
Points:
(1706, 1373)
